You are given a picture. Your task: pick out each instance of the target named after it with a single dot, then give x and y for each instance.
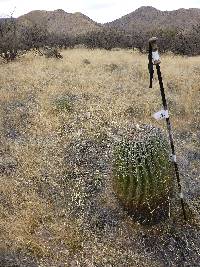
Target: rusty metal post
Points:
(154, 59)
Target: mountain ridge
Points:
(144, 19)
(59, 22)
(148, 18)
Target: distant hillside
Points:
(59, 22)
(150, 19)
(144, 19)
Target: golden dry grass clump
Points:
(57, 123)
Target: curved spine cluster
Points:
(142, 170)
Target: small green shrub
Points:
(52, 52)
(111, 67)
(86, 61)
(64, 104)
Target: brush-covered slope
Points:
(59, 22)
(149, 18)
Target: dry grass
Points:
(51, 189)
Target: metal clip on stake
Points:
(154, 50)
(154, 59)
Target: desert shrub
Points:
(111, 67)
(86, 61)
(107, 38)
(188, 42)
(34, 36)
(52, 52)
(64, 104)
(8, 39)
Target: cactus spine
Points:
(142, 171)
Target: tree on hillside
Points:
(166, 39)
(8, 39)
(34, 37)
(192, 41)
(139, 41)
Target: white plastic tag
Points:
(162, 114)
(173, 158)
(181, 195)
(155, 56)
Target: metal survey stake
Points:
(154, 59)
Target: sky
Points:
(99, 10)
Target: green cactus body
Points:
(142, 171)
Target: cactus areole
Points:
(142, 172)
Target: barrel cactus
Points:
(142, 172)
